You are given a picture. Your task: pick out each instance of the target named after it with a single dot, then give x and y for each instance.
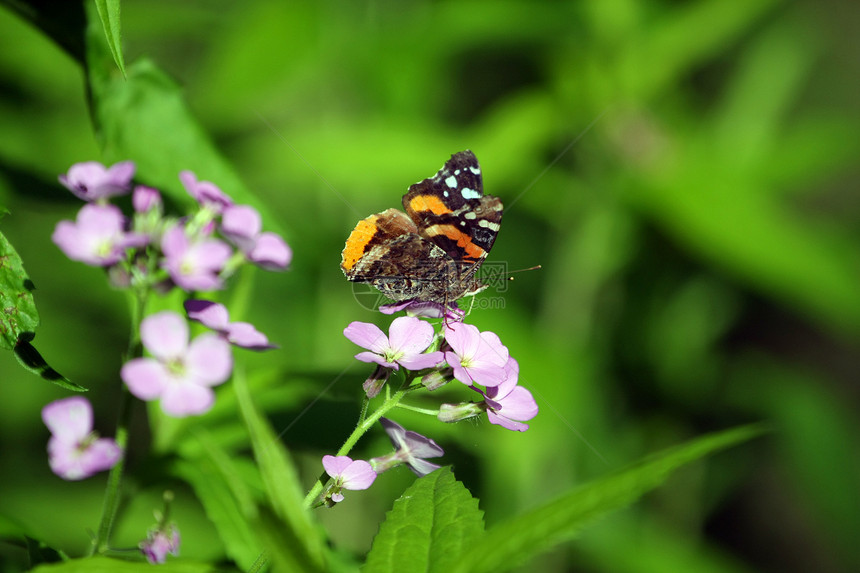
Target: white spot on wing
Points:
(451, 182)
(475, 170)
(469, 193)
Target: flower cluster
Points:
(429, 360)
(193, 253)
(153, 251)
(466, 354)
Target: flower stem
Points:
(362, 428)
(113, 489)
(112, 492)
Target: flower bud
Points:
(437, 378)
(457, 412)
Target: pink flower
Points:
(159, 542)
(91, 180)
(181, 374)
(409, 338)
(242, 225)
(75, 452)
(194, 264)
(144, 199)
(216, 317)
(347, 474)
(206, 193)
(411, 449)
(476, 357)
(509, 405)
(97, 237)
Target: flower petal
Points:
(367, 336)
(186, 399)
(410, 335)
(421, 361)
(245, 335)
(164, 334)
(358, 475)
(146, 378)
(69, 419)
(377, 359)
(335, 465)
(422, 467)
(271, 252)
(209, 360)
(208, 313)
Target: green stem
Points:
(353, 438)
(112, 492)
(419, 410)
(114, 483)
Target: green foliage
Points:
(432, 525)
(685, 173)
(109, 14)
(19, 317)
(19, 314)
(529, 534)
(106, 565)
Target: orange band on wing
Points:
(430, 203)
(464, 241)
(356, 244)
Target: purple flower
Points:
(91, 180)
(194, 264)
(509, 405)
(347, 474)
(242, 225)
(144, 199)
(216, 317)
(207, 194)
(409, 338)
(74, 451)
(159, 542)
(97, 237)
(181, 374)
(271, 252)
(476, 357)
(411, 448)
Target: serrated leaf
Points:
(298, 541)
(18, 312)
(109, 14)
(108, 565)
(19, 317)
(429, 527)
(527, 535)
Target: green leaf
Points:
(19, 317)
(143, 116)
(109, 11)
(18, 314)
(108, 565)
(527, 535)
(225, 498)
(299, 541)
(434, 522)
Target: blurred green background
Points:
(685, 172)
